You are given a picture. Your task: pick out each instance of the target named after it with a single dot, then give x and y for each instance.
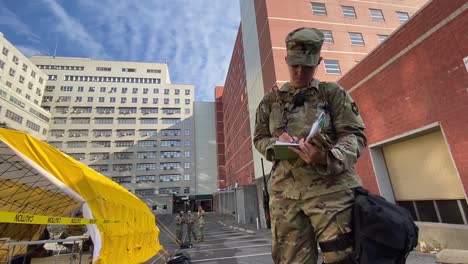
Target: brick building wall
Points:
(220, 137)
(416, 78)
(239, 160)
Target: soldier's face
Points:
(300, 76)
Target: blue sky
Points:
(194, 37)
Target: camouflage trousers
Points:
(201, 229)
(179, 230)
(298, 225)
(190, 233)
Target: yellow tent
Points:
(36, 178)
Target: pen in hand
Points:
(288, 137)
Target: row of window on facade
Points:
(140, 166)
(21, 104)
(20, 91)
(120, 120)
(87, 78)
(81, 68)
(130, 155)
(19, 119)
(16, 61)
(152, 178)
(119, 132)
(123, 90)
(355, 38)
(123, 100)
(153, 192)
(350, 12)
(120, 144)
(122, 110)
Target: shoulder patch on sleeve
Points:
(354, 108)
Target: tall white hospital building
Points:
(125, 120)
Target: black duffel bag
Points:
(384, 233)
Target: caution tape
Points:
(19, 218)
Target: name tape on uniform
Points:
(19, 218)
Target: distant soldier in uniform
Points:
(190, 226)
(201, 222)
(180, 226)
(311, 197)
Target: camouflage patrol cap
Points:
(303, 46)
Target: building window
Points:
(382, 38)
(126, 121)
(186, 189)
(2, 64)
(153, 71)
(134, 100)
(156, 90)
(15, 60)
(328, 36)
(25, 67)
(103, 89)
(128, 70)
(348, 11)
(12, 72)
(101, 99)
(18, 90)
(187, 154)
(15, 117)
(187, 111)
(166, 91)
(145, 178)
(155, 100)
(332, 67)
(124, 90)
(186, 165)
(146, 155)
(356, 39)
(125, 179)
(187, 132)
(319, 9)
(402, 17)
(186, 177)
(377, 15)
(33, 126)
(177, 91)
(146, 167)
(108, 69)
(5, 51)
(187, 92)
(148, 121)
(33, 74)
(166, 100)
(187, 143)
(90, 99)
(187, 101)
(144, 192)
(112, 99)
(123, 100)
(80, 88)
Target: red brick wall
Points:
(220, 137)
(239, 156)
(428, 84)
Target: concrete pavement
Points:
(228, 246)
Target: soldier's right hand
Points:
(285, 137)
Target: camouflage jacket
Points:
(343, 127)
(179, 220)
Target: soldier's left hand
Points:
(309, 153)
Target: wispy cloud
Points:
(74, 30)
(195, 38)
(29, 51)
(10, 19)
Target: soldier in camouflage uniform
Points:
(311, 197)
(190, 226)
(180, 226)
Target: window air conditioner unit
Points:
(147, 168)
